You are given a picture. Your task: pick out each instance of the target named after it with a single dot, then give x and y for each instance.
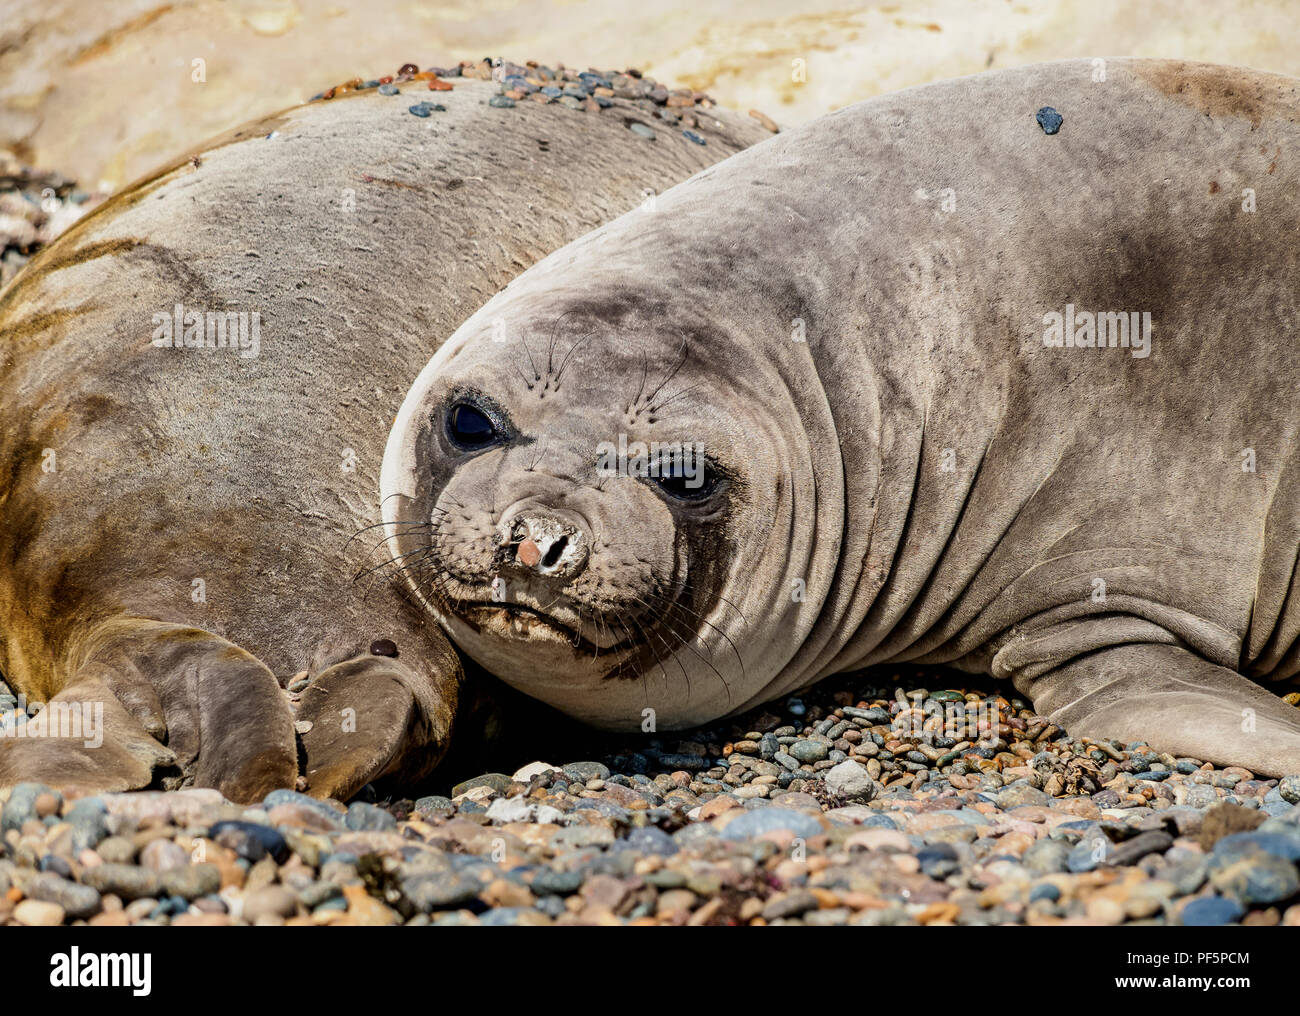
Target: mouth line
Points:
(515, 608)
(571, 635)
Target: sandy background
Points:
(102, 90)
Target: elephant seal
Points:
(998, 372)
(196, 383)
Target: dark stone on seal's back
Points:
(1049, 119)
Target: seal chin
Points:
(531, 650)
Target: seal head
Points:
(577, 489)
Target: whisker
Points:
(559, 373)
(391, 561)
(646, 643)
(405, 532)
(669, 604)
(377, 525)
(667, 617)
(654, 630)
(536, 374)
(538, 458)
(658, 406)
(645, 374)
(681, 359)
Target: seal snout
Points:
(546, 543)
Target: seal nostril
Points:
(554, 551)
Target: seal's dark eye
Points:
(685, 478)
(468, 427)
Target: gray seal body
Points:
(965, 392)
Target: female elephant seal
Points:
(998, 373)
(196, 383)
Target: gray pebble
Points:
(126, 881)
(77, 901)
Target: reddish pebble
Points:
(438, 85)
(528, 554)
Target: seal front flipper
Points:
(84, 741)
(1170, 698)
(222, 712)
(373, 715)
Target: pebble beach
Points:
(847, 805)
